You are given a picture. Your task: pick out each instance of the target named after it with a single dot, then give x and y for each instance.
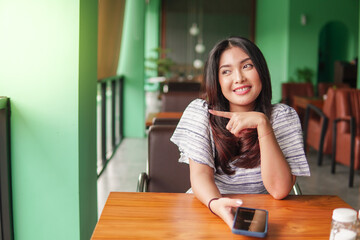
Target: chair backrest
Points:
(315, 125)
(165, 173)
(185, 86)
(288, 90)
(165, 121)
(329, 104)
(329, 109)
(348, 104)
(323, 87)
(177, 101)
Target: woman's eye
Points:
(224, 72)
(248, 66)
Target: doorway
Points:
(333, 46)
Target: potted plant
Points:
(304, 74)
(159, 65)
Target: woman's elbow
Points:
(279, 195)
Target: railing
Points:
(109, 119)
(6, 221)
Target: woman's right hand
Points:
(223, 207)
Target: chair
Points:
(318, 126)
(323, 87)
(177, 101)
(346, 134)
(165, 121)
(288, 90)
(165, 173)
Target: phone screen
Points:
(248, 219)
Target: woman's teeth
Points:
(242, 89)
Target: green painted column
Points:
(86, 124)
(48, 69)
(152, 32)
(272, 37)
(131, 66)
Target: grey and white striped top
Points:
(194, 138)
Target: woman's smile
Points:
(242, 90)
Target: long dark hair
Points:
(242, 151)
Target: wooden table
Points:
(182, 216)
(300, 105)
(151, 116)
(302, 102)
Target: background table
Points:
(302, 102)
(300, 105)
(182, 216)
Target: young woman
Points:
(234, 139)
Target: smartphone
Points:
(251, 222)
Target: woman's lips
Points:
(242, 90)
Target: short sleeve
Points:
(288, 132)
(193, 135)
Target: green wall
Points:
(131, 66)
(304, 40)
(272, 37)
(48, 69)
(288, 45)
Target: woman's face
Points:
(239, 80)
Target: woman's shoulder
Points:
(193, 134)
(281, 109)
(197, 107)
(199, 104)
(196, 115)
(282, 113)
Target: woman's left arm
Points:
(275, 170)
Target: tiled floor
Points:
(122, 172)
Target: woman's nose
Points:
(239, 76)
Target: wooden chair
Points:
(318, 126)
(288, 90)
(324, 86)
(346, 133)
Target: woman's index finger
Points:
(220, 113)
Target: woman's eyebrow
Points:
(242, 61)
(246, 59)
(225, 65)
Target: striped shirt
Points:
(194, 138)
